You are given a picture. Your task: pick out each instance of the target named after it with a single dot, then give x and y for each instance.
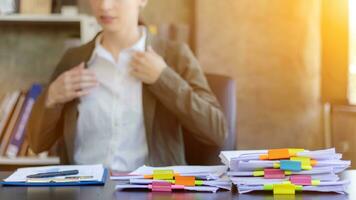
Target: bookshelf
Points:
(15, 151)
(23, 161)
(41, 18)
(88, 25)
(11, 164)
(29, 25)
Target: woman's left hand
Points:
(147, 66)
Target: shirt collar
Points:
(99, 50)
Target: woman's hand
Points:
(147, 66)
(72, 84)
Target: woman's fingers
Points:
(76, 94)
(134, 65)
(82, 78)
(72, 84)
(138, 64)
(84, 85)
(79, 83)
(151, 50)
(138, 74)
(81, 93)
(140, 57)
(81, 72)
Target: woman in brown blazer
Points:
(123, 98)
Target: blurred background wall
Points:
(272, 49)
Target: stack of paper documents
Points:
(285, 171)
(168, 179)
(87, 175)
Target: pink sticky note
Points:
(161, 187)
(301, 180)
(274, 174)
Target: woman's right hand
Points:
(70, 85)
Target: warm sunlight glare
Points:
(352, 21)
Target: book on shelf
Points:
(7, 106)
(18, 134)
(10, 126)
(36, 7)
(24, 147)
(15, 110)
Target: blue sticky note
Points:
(291, 165)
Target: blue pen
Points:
(53, 174)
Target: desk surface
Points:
(108, 192)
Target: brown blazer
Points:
(181, 97)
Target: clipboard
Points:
(58, 184)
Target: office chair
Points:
(198, 153)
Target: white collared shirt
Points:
(110, 127)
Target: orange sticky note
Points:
(185, 180)
(263, 157)
(148, 176)
(313, 162)
(275, 154)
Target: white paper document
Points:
(201, 172)
(95, 172)
(223, 184)
(337, 189)
(195, 188)
(296, 170)
(208, 179)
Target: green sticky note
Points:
(199, 182)
(287, 172)
(268, 187)
(298, 188)
(258, 173)
(315, 182)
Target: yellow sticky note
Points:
(306, 162)
(283, 189)
(163, 174)
(276, 165)
(293, 152)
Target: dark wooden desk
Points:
(108, 192)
